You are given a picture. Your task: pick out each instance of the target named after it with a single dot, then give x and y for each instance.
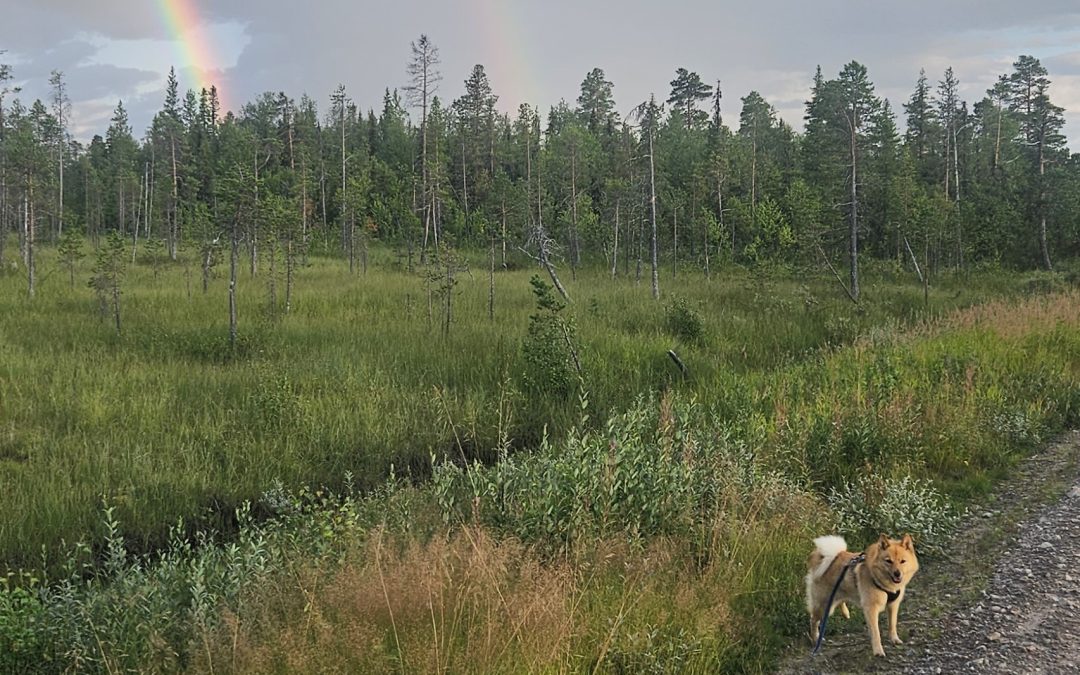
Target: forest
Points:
(990, 181)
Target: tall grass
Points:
(167, 420)
(672, 535)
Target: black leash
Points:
(828, 605)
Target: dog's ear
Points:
(908, 542)
(884, 541)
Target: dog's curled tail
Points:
(827, 547)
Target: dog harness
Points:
(891, 595)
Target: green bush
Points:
(547, 350)
(664, 467)
(684, 322)
(872, 505)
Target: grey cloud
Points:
(539, 52)
(34, 23)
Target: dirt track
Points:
(1006, 601)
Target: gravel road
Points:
(1028, 618)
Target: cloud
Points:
(539, 52)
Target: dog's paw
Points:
(879, 652)
(895, 639)
(844, 610)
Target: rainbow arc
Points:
(197, 55)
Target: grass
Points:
(656, 521)
(594, 555)
(166, 421)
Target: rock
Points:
(994, 637)
(1045, 545)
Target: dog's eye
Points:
(902, 562)
(888, 560)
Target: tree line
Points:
(674, 187)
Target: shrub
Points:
(872, 505)
(548, 349)
(664, 467)
(684, 322)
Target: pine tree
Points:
(948, 111)
(1040, 129)
(839, 117)
(424, 81)
(596, 103)
(687, 90)
(61, 110)
(756, 123)
(922, 128)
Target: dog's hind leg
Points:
(844, 610)
(815, 624)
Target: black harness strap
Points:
(891, 595)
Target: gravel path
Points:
(1006, 600)
(1028, 619)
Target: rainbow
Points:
(196, 54)
(508, 64)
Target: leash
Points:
(828, 605)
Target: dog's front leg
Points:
(894, 610)
(873, 612)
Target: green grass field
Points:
(166, 421)
(610, 542)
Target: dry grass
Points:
(1010, 318)
(473, 603)
(466, 603)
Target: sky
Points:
(534, 52)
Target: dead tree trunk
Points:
(234, 254)
(174, 207)
(1044, 248)
(652, 204)
(675, 244)
(575, 256)
(491, 280)
(853, 244)
(28, 216)
(290, 263)
(615, 243)
(544, 243)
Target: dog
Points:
(876, 583)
